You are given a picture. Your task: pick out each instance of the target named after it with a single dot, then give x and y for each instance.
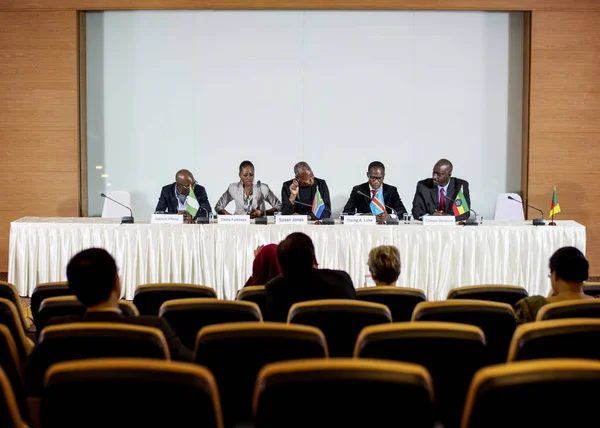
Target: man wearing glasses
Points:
(173, 197)
(302, 188)
(362, 203)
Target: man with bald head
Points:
(435, 195)
(302, 188)
(173, 197)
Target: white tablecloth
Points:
(434, 258)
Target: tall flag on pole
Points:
(377, 205)
(192, 204)
(554, 206)
(318, 206)
(460, 205)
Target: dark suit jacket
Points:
(282, 292)
(288, 208)
(167, 201)
(426, 197)
(362, 205)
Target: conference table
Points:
(434, 258)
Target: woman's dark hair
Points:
(569, 264)
(246, 163)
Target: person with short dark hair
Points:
(358, 203)
(302, 188)
(93, 278)
(384, 264)
(173, 197)
(435, 195)
(249, 197)
(301, 280)
(568, 270)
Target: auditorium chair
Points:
(497, 320)
(560, 338)
(450, 352)
(75, 341)
(129, 392)
(401, 301)
(149, 298)
(9, 292)
(543, 393)
(44, 291)
(343, 393)
(187, 316)
(570, 309)
(235, 353)
(341, 320)
(10, 318)
(10, 416)
(256, 294)
(509, 294)
(10, 363)
(591, 288)
(62, 306)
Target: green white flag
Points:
(192, 204)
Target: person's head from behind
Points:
(265, 266)
(92, 276)
(384, 264)
(296, 254)
(568, 269)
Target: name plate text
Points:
(166, 219)
(360, 219)
(291, 219)
(442, 220)
(233, 219)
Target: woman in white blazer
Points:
(249, 197)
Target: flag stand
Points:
(552, 221)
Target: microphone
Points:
(390, 221)
(124, 220)
(469, 221)
(325, 221)
(536, 221)
(262, 219)
(203, 220)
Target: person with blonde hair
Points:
(384, 264)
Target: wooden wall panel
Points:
(524, 5)
(564, 140)
(39, 140)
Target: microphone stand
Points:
(262, 219)
(469, 221)
(536, 221)
(124, 220)
(391, 221)
(325, 221)
(203, 220)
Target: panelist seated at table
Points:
(174, 197)
(301, 280)
(249, 196)
(358, 203)
(303, 188)
(434, 196)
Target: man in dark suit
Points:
(432, 194)
(361, 204)
(301, 280)
(302, 188)
(174, 197)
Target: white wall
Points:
(204, 90)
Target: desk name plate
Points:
(360, 219)
(442, 220)
(291, 219)
(233, 219)
(166, 219)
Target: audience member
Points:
(384, 264)
(568, 270)
(301, 280)
(265, 266)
